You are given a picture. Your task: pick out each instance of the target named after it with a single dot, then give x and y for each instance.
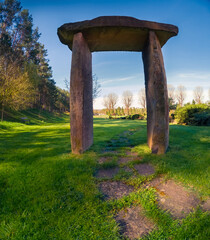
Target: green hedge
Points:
(193, 114)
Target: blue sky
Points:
(186, 56)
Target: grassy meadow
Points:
(48, 193)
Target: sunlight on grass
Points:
(48, 193)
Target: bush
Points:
(193, 114)
(201, 119)
(135, 116)
(171, 116)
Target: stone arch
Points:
(116, 33)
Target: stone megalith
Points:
(117, 33)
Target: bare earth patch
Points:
(174, 198)
(144, 169)
(133, 223)
(115, 189)
(107, 173)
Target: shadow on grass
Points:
(48, 193)
(106, 130)
(187, 157)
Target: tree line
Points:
(176, 97)
(25, 75)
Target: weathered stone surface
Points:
(174, 198)
(206, 205)
(133, 223)
(116, 33)
(115, 189)
(81, 103)
(107, 173)
(102, 160)
(156, 95)
(144, 169)
(124, 160)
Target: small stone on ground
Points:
(107, 173)
(144, 169)
(115, 189)
(133, 223)
(174, 198)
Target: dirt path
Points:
(171, 196)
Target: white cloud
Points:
(195, 75)
(189, 79)
(108, 80)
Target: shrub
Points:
(201, 119)
(193, 114)
(171, 116)
(135, 116)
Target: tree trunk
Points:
(2, 112)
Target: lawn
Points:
(48, 193)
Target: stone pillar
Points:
(81, 102)
(156, 96)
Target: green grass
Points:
(48, 193)
(34, 116)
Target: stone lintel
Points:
(81, 102)
(156, 96)
(116, 33)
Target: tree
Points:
(19, 47)
(113, 98)
(110, 101)
(96, 87)
(142, 98)
(171, 104)
(47, 90)
(180, 94)
(106, 103)
(118, 111)
(171, 92)
(62, 102)
(16, 91)
(198, 94)
(67, 84)
(127, 98)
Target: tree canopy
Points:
(25, 75)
